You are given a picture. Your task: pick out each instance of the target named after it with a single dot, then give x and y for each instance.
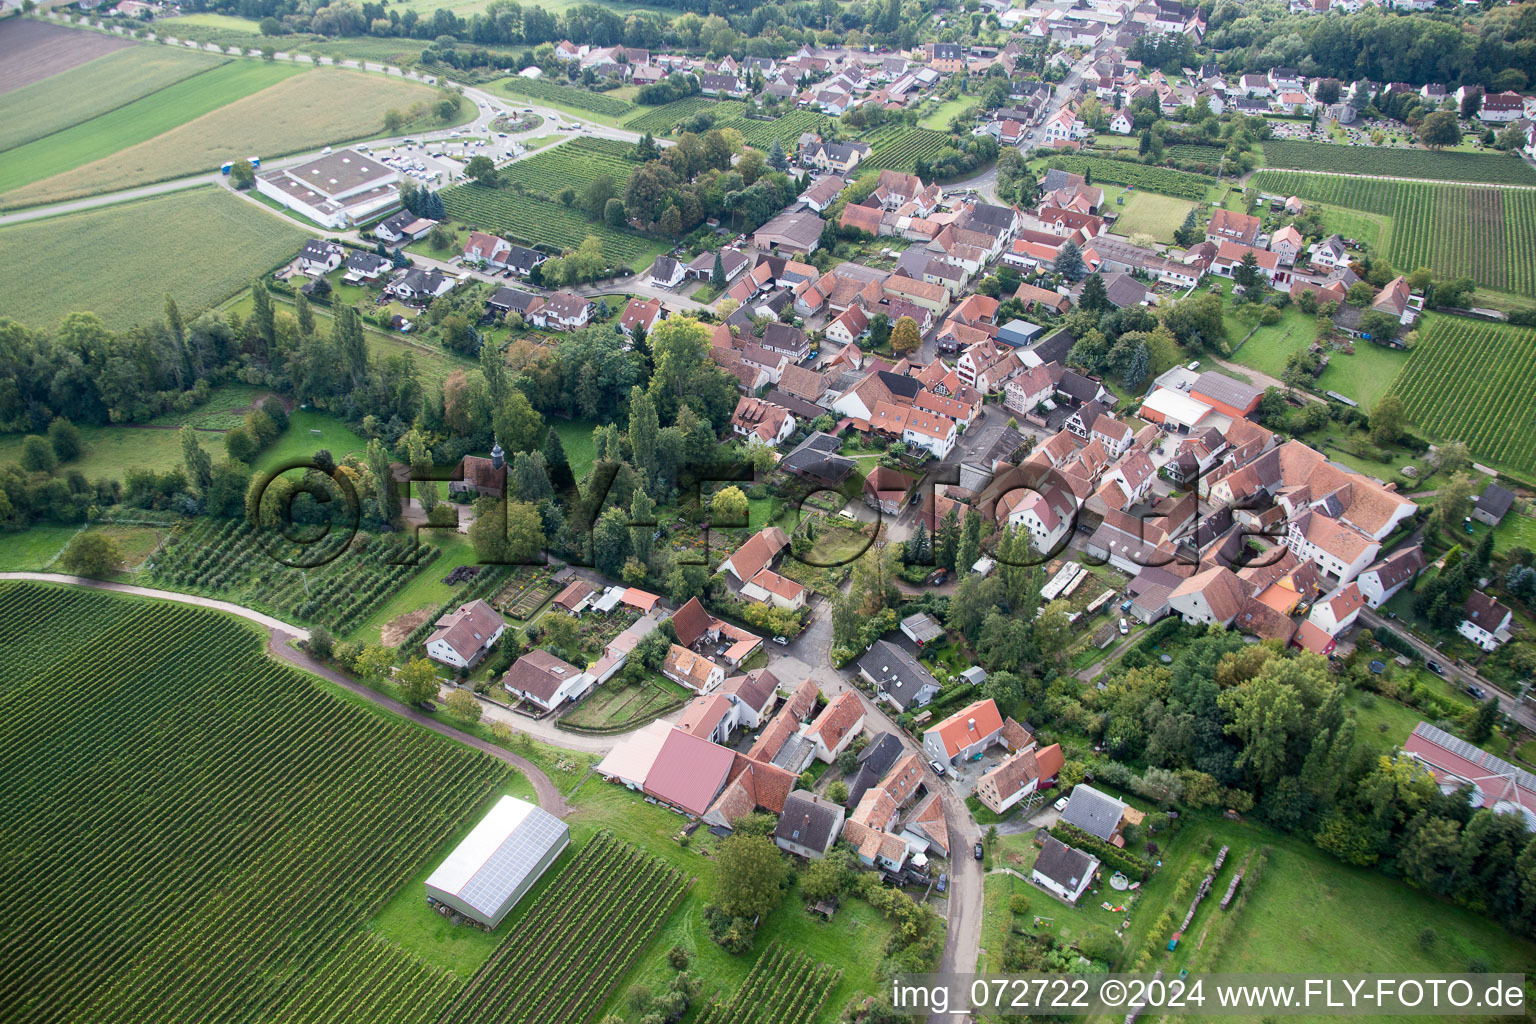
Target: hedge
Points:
(1127, 864)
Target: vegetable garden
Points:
(174, 847)
(1472, 168)
(1455, 230)
(1179, 184)
(227, 558)
(783, 986)
(1474, 382)
(581, 99)
(899, 149)
(561, 960)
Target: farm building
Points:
(499, 861)
(335, 190)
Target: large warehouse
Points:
(498, 862)
(337, 189)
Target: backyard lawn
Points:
(945, 112)
(617, 705)
(1364, 376)
(1272, 344)
(1150, 213)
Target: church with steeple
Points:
(480, 477)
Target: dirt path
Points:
(279, 645)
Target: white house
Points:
(543, 679)
(1063, 871)
(934, 433)
(463, 637)
(1047, 516)
(1121, 123)
(564, 311)
(1382, 581)
(319, 257)
(835, 728)
(768, 587)
(1338, 611)
(1485, 621)
(1330, 253)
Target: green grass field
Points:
(93, 89)
(1366, 375)
(1474, 382)
(939, 117)
(220, 244)
(301, 112)
(138, 121)
(1153, 214)
(576, 439)
(426, 589)
(1313, 913)
(110, 451)
(1272, 344)
(34, 548)
(308, 432)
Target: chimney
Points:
(970, 723)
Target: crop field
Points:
(135, 123)
(585, 931)
(535, 221)
(221, 244)
(92, 89)
(787, 129)
(783, 986)
(661, 120)
(1472, 168)
(172, 848)
(899, 149)
(569, 96)
(1474, 382)
(1372, 196)
(226, 558)
(1179, 184)
(35, 49)
(1452, 229)
(305, 111)
(1193, 153)
(574, 164)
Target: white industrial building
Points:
(336, 190)
(499, 861)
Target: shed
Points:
(499, 861)
(1493, 505)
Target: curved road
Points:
(278, 645)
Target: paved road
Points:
(1520, 711)
(986, 182)
(279, 645)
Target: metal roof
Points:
(496, 859)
